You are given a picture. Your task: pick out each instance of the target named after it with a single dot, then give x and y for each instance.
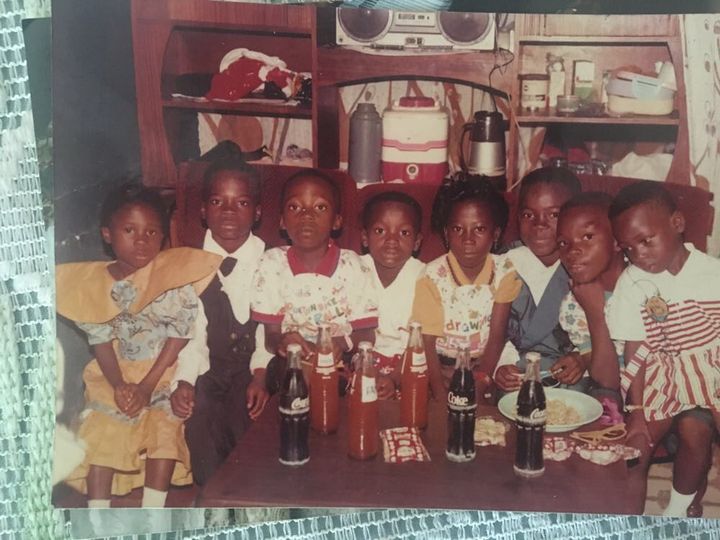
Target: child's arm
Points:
(638, 435)
(603, 366)
(256, 394)
(496, 337)
(144, 389)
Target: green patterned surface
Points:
(27, 383)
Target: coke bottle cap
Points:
(365, 346)
(532, 357)
(294, 348)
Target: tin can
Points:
(534, 91)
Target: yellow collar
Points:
(483, 278)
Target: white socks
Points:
(98, 503)
(152, 498)
(678, 505)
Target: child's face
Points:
(585, 242)
(470, 234)
(309, 214)
(650, 236)
(230, 210)
(537, 217)
(391, 237)
(135, 235)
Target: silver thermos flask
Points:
(487, 146)
(365, 144)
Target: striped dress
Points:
(677, 319)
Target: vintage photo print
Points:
(324, 256)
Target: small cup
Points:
(569, 103)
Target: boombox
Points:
(380, 28)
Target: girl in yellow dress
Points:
(138, 312)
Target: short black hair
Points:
(131, 193)
(558, 176)
(392, 197)
(462, 187)
(593, 199)
(644, 191)
(317, 175)
(234, 164)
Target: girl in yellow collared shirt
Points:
(464, 297)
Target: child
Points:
(312, 281)
(533, 324)
(594, 261)
(138, 312)
(464, 297)
(220, 380)
(666, 306)
(391, 224)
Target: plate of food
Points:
(566, 409)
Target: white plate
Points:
(588, 407)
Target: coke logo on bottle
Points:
(458, 401)
(538, 416)
(300, 403)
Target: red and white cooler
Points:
(415, 141)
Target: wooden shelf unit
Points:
(612, 42)
(179, 37)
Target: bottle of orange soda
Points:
(414, 381)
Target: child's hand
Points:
(568, 369)
(508, 378)
(140, 398)
(257, 395)
(295, 337)
(182, 400)
(591, 296)
(638, 435)
(122, 394)
(385, 387)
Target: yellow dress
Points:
(137, 314)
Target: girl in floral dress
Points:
(138, 312)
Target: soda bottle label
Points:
(418, 359)
(537, 417)
(325, 360)
(460, 402)
(300, 405)
(369, 391)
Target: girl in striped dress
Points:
(666, 306)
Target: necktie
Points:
(227, 265)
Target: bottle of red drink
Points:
(324, 396)
(363, 405)
(414, 381)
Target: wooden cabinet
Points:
(611, 42)
(173, 38)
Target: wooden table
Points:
(252, 475)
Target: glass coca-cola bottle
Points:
(414, 381)
(530, 422)
(363, 414)
(324, 396)
(294, 406)
(461, 410)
